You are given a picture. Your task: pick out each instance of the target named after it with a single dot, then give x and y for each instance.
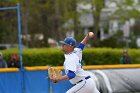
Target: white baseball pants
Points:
(86, 86)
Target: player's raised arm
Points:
(87, 37)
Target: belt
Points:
(82, 80)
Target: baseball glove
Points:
(54, 73)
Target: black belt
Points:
(82, 80)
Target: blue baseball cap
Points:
(69, 41)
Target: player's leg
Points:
(92, 86)
(87, 86)
(78, 88)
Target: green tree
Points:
(8, 22)
(126, 10)
(97, 6)
(69, 14)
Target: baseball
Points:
(91, 34)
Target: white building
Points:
(86, 20)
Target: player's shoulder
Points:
(71, 58)
(77, 50)
(70, 55)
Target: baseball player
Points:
(73, 69)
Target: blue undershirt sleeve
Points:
(71, 74)
(81, 46)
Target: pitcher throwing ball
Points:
(73, 68)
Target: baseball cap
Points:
(69, 41)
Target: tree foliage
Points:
(44, 19)
(126, 9)
(8, 22)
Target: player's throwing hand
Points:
(91, 34)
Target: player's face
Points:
(66, 48)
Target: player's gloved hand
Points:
(55, 80)
(54, 74)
